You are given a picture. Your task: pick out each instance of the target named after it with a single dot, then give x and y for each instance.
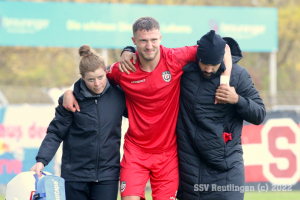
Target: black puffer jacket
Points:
(204, 158)
(91, 137)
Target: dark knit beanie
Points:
(211, 48)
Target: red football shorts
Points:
(138, 166)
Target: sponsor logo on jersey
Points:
(123, 186)
(109, 68)
(139, 81)
(166, 76)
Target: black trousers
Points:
(103, 190)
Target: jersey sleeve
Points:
(179, 57)
(113, 74)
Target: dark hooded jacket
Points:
(91, 137)
(206, 162)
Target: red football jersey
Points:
(152, 99)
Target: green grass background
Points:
(295, 195)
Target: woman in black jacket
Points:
(91, 137)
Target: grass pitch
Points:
(294, 195)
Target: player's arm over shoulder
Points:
(181, 56)
(113, 73)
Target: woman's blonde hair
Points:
(90, 60)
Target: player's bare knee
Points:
(131, 198)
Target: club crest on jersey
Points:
(123, 186)
(166, 76)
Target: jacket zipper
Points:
(194, 106)
(98, 135)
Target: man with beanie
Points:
(210, 154)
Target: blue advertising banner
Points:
(110, 25)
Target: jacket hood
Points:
(81, 91)
(236, 54)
